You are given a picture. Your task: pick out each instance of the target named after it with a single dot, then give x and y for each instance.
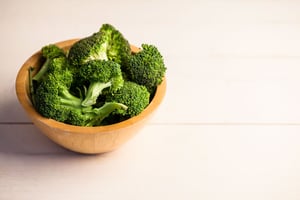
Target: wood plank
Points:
(229, 90)
(210, 162)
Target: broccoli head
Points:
(52, 51)
(146, 67)
(49, 52)
(53, 98)
(100, 74)
(58, 65)
(118, 47)
(106, 44)
(134, 96)
(86, 49)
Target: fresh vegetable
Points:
(53, 99)
(146, 67)
(49, 52)
(95, 116)
(136, 97)
(100, 74)
(97, 82)
(106, 44)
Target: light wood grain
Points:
(212, 162)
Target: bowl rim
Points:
(22, 95)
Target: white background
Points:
(228, 127)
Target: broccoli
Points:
(54, 100)
(100, 74)
(146, 67)
(93, 116)
(118, 47)
(55, 65)
(98, 82)
(49, 52)
(106, 44)
(134, 96)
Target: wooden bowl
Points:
(89, 140)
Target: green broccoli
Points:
(146, 67)
(58, 65)
(98, 82)
(54, 100)
(93, 116)
(135, 97)
(100, 74)
(118, 47)
(49, 52)
(106, 44)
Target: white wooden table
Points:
(229, 126)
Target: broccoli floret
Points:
(86, 49)
(53, 98)
(146, 67)
(54, 66)
(58, 65)
(49, 52)
(94, 116)
(134, 96)
(100, 74)
(118, 47)
(106, 44)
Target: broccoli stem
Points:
(104, 111)
(67, 99)
(43, 70)
(93, 92)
